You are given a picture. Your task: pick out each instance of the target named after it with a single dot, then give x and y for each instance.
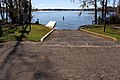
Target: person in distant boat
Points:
(63, 18)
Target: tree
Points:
(95, 11)
(15, 11)
(14, 8)
(105, 15)
(118, 8)
(102, 3)
(2, 9)
(2, 16)
(0, 29)
(85, 3)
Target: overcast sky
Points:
(59, 4)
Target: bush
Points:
(114, 19)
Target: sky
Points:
(56, 4)
(53, 4)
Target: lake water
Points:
(71, 19)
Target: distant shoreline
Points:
(110, 9)
(63, 9)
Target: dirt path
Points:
(65, 55)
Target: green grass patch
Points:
(36, 33)
(110, 30)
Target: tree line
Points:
(13, 9)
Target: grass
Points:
(110, 30)
(36, 33)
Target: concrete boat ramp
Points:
(51, 24)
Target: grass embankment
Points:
(36, 33)
(110, 30)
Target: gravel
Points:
(65, 55)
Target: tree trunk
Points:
(103, 10)
(6, 10)
(95, 11)
(105, 16)
(1, 11)
(0, 28)
(11, 12)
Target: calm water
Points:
(72, 20)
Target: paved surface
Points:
(65, 55)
